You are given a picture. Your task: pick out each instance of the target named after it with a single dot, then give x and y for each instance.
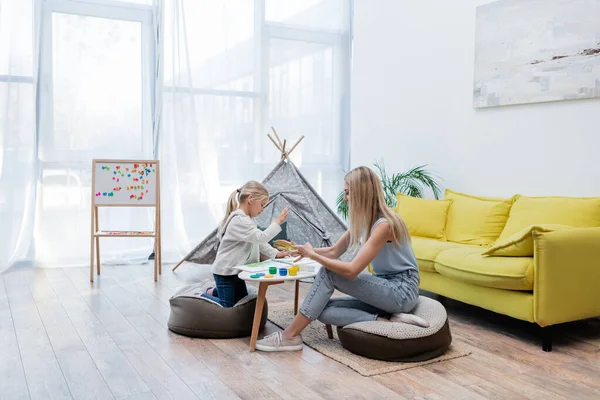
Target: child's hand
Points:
(282, 216)
(282, 254)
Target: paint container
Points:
(283, 271)
(272, 270)
(293, 271)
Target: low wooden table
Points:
(264, 284)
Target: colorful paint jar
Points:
(283, 271)
(272, 270)
(293, 271)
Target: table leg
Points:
(260, 302)
(296, 297)
(329, 331)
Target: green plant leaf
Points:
(412, 182)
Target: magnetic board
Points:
(125, 182)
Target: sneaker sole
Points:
(273, 349)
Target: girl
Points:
(385, 296)
(241, 242)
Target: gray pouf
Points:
(396, 341)
(196, 316)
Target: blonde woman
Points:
(388, 295)
(241, 242)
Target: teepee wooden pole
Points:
(276, 145)
(283, 153)
(277, 136)
(294, 146)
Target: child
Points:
(241, 242)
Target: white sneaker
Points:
(277, 342)
(411, 319)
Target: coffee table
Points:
(264, 284)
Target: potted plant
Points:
(412, 183)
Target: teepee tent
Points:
(309, 220)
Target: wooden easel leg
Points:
(92, 244)
(159, 248)
(155, 258)
(97, 241)
(297, 284)
(260, 302)
(157, 229)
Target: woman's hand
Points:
(305, 251)
(282, 216)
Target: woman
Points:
(386, 296)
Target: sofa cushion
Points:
(427, 249)
(475, 220)
(520, 244)
(470, 266)
(571, 211)
(423, 217)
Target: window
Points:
(95, 101)
(233, 69)
(262, 63)
(96, 74)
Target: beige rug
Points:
(315, 336)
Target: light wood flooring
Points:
(62, 337)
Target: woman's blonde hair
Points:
(366, 204)
(250, 188)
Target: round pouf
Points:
(396, 341)
(196, 316)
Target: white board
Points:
(125, 182)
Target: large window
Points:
(197, 83)
(243, 66)
(97, 62)
(95, 101)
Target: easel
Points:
(284, 154)
(140, 187)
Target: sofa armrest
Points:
(566, 284)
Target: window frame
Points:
(108, 9)
(264, 32)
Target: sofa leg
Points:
(547, 338)
(329, 331)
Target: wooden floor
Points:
(62, 337)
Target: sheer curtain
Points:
(233, 69)
(17, 129)
(196, 83)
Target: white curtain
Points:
(196, 83)
(233, 69)
(17, 129)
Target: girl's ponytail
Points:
(232, 205)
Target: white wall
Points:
(412, 105)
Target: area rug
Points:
(315, 336)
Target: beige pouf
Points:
(196, 316)
(396, 341)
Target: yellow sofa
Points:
(536, 259)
